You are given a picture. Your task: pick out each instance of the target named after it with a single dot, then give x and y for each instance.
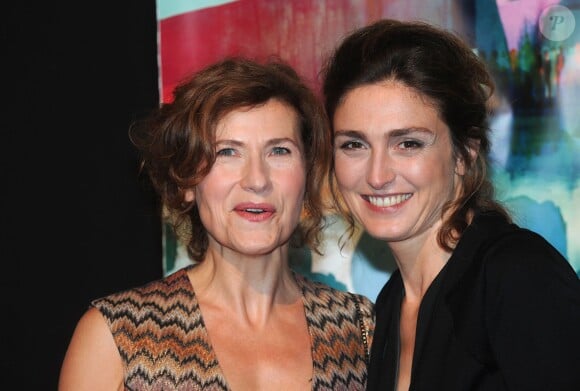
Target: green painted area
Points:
(169, 8)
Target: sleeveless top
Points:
(159, 331)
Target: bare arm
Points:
(92, 361)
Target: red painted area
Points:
(300, 32)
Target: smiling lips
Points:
(387, 201)
(255, 212)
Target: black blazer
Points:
(505, 316)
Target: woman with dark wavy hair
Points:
(477, 302)
(238, 158)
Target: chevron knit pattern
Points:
(160, 334)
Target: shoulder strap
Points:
(363, 329)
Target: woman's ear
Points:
(189, 195)
(472, 150)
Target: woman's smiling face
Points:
(394, 160)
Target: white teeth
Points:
(254, 210)
(383, 202)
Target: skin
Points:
(259, 167)
(250, 203)
(395, 168)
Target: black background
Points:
(78, 221)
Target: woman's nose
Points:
(380, 170)
(256, 176)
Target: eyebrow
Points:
(407, 131)
(273, 141)
(393, 133)
(283, 140)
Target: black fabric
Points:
(78, 221)
(506, 317)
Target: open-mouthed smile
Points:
(386, 201)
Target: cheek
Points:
(208, 192)
(289, 182)
(203, 206)
(291, 191)
(421, 172)
(295, 186)
(344, 172)
(432, 173)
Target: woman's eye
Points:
(280, 151)
(351, 144)
(226, 152)
(411, 144)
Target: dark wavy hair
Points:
(439, 65)
(177, 141)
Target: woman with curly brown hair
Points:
(238, 157)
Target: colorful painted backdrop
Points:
(532, 47)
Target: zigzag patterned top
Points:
(161, 336)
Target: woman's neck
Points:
(419, 259)
(251, 287)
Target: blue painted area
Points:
(301, 262)
(169, 8)
(372, 264)
(544, 218)
(371, 267)
(535, 132)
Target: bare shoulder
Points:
(92, 361)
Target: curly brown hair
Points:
(177, 141)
